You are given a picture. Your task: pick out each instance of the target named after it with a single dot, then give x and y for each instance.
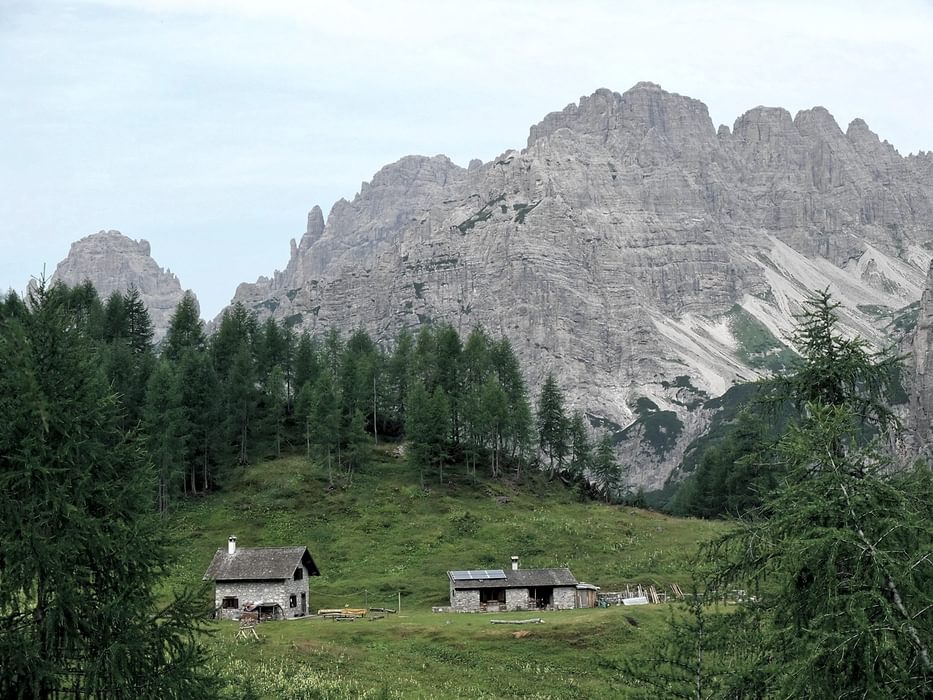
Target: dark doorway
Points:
(304, 603)
(543, 597)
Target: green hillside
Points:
(384, 535)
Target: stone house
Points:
(272, 581)
(496, 590)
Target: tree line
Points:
(205, 404)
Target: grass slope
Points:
(384, 535)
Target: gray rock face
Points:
(112, 262)
(920, 352)
(631, 248)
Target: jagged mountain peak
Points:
(640, 109)
(630, 249)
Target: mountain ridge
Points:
(647, 258)
(611, 249)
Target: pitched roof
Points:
(522, 578)
(259, 563)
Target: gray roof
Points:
(259, 563)
(522, 578)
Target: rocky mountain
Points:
(114, 262)
(645, 257)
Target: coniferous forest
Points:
(254, 390)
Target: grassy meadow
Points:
(384, 536)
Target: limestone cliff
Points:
(113, 262)
(644, 256)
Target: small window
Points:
(292, 602)
(299, 573)
(230, 602)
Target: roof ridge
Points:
(293, 546)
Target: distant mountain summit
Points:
(645, 257)
(113, 262)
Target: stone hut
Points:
(272, 581)
(496, 590)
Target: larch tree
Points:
(494, 408)
(840, 552)
(81, 548)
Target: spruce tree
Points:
(274, 401)
(128, 356)
(476, 360)
(86, 307)
(237, 331)
(580, 448)
(427, 425)
(520, 430)
(325, 420)
(607, 474)
(115, 325)
(448, 359)
(166, 429)
(201, 403)
(241, 398)
(552, 424)
(81, 550)
(356, 445)
(304, 407)
(398, 377)
(139, 329)
(185, 329)
(307, 361)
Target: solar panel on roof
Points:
(478, 575)
(492, 573)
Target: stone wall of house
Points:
(464, 601)
(296, 588)
(260, 591)
(565, 598)
(246, 592)
(517, 599)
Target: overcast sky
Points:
(211, 127)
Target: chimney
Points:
(231, 544)
(514, 563)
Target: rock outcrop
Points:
(113, 263)
(645, 257)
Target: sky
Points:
(211, 127)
